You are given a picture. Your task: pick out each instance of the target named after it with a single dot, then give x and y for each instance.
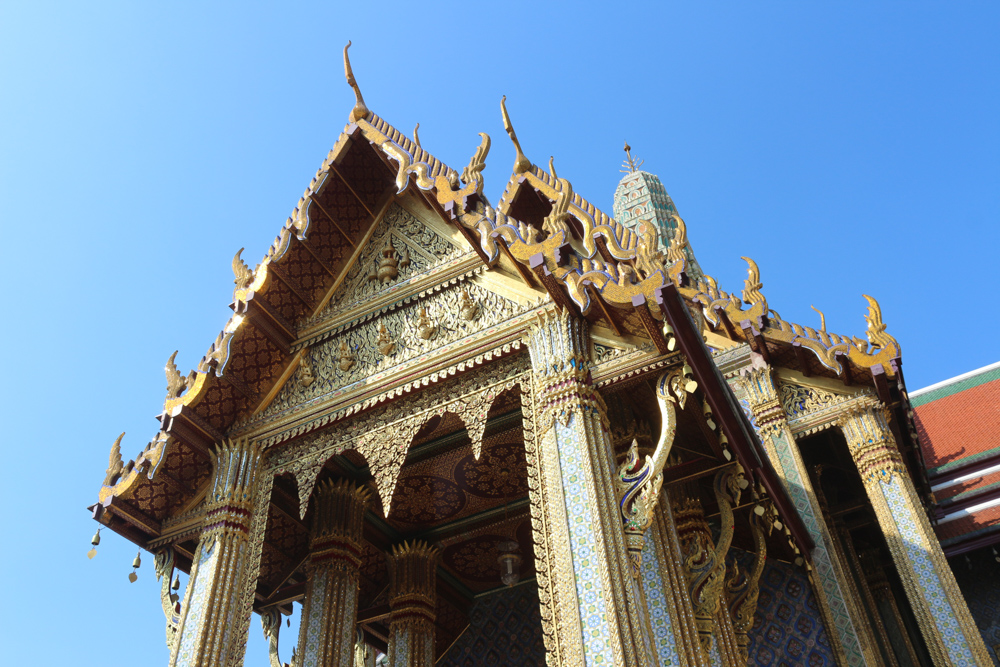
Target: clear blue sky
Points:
(848, 147)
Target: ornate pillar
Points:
(216, 614)
(593, 607)
(852, 644)
(743, 586)
(330, 610)
(412, 601)
(667, 598)
(704, 563)
(951, 635)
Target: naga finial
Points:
(675, 252)
(631, 166)
(876, 327)
(752, 285)
(114, 462)
(416, 137)
(473, 171)
(521, 163)
(360, 111)
(243, 276)
(552, 168)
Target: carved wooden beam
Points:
(803, 358)
(236, 381)
(726, 411)
(315, 199)
(596, 297)
(691, 470)
(602, 247)
(269, 595)
(270, 322)
(193, 429)
(651, 326)
(356, 196)
(756, 340)
(549, 282)
(845, 367)
(521, 271)
(312, 252)
(132, 515)
(292, 286)
(726, 322)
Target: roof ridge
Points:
(955, 380)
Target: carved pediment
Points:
(369, 353)
(810, 408)
(400, 248)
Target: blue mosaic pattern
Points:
(714, 658)
(505, 630)
(788, 630)
(787, 467)
(820, 556)
(314, 624)
(656, 604)
(979, 580)
(204, 578)
(917, 549)
(585, 552)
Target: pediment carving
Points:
(400, 248)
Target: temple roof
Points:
(958, 422)
(542, 241)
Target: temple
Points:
(465, 433)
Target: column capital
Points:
(559, 344)
(870, 441)
(337, 523)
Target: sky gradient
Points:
(849, 148)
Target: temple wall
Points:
(981, 587)
(788, 629)
(505, 630)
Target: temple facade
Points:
(465, 433)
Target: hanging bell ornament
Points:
(668, 331)
(95, 540)
(177, 582)
(135, 566)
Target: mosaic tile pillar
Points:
(597, 618)
(412, 601)
(327, 634)
(216, 614)
(851, 641)
(663, 534)
(704, 567)
(945, 622)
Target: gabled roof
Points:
(550, 238)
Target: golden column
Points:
(852, 643)
(212, 630)
(330, 610)
(412, 601)
(588, 599)
(945, 622)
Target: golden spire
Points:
(630, 164)
(416, 137)
(521, 163)
(360, 111)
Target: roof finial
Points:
(416, 137)
(360, 111)
(630, 164)
(521, 164)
